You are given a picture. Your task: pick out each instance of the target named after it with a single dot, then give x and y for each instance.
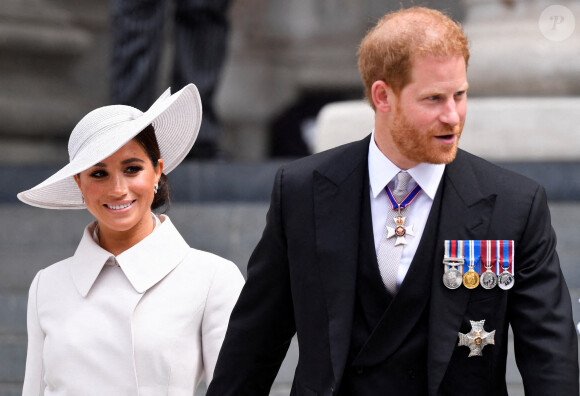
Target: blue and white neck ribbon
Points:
(405, 202)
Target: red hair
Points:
(388, 50)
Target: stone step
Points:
(7, 389)
(498, 129)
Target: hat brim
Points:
(176, 119)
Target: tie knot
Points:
(403, 179)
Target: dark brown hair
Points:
(146, 138)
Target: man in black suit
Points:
(388, 302)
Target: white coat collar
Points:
(144, 264)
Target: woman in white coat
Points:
(135, 311)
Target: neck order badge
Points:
(472, 263)
(400, 229)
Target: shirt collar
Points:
(382, 171)
(144, 264)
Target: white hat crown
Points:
(99, 122)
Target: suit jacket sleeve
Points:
(33, 377)
(545, 341)
(262, 322)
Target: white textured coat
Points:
(150, 326)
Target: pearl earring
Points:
(155, 188)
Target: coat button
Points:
(412, 374)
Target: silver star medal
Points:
(477, 338)
(400, 230)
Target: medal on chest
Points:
(471, 277)
(505, 255)
(400, 230)
(453, 264)
(477, 338)
(488, 279)
(488, 263)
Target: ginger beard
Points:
(420, 145)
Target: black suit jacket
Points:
(302, 275)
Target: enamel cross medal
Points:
(401, 230)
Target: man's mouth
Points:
(446, 138)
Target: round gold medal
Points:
(471, 279)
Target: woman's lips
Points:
(119, 206)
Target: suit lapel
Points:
(465, 214)
(338, 190)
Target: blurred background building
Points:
(286, 60)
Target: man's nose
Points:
(450, 114)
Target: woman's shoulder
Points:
(207, 260)
(198, 262)
(53, 275)
(60, 268)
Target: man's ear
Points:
(382, 96)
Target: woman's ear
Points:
(159, 170)
(78, 180)
(382, 96)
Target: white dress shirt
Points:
(153, 325)
(382, 172)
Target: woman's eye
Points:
(133, 169)
(98, 174)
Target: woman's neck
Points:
(116, 242)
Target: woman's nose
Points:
(118, 185)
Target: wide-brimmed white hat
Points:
(176, 119)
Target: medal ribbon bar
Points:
(478, 254)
